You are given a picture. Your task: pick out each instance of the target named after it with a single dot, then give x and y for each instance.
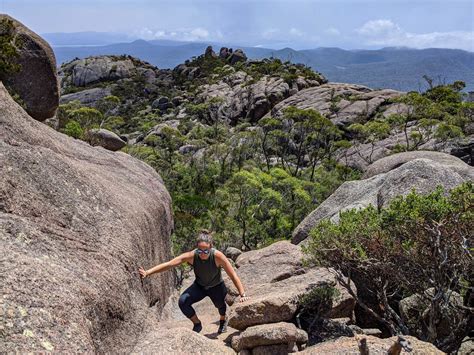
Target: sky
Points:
(299, 24)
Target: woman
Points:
(207, 263)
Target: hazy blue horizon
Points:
(125, 39)
(298, 24)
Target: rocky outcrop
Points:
(376, 346)
(83, 73)
(242, 98)
(342, 103)
(231, 56)
(95, 69)
(361, 156)
(35, 82)
(275, 279)
(105, 138)
(392, 162)
(389, 177)
(88, 97)
(75, 224)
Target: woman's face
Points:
(203, 250)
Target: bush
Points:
(418, 242)
(74, 129)
(313, 310)
(8, 48)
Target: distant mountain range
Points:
(397, 68)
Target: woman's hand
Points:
(142, 272)
(243, 298)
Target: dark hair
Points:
(204, 236)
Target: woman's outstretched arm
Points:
(185, 257)
(225, 263)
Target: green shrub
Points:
(417, 242)
(8, 48)
(74, 129)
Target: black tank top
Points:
(208, 274)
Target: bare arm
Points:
(225, 263)
(185, 257)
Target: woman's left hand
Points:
(244, 298)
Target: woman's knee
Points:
(183, 300)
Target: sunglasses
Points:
(206, 251)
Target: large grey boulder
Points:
(82, 72)
(36, 82)
(423, 173)
(394, 161)
(342, 103)
(275, 279)
(278, 261)
(237, 56)
(105, 138)
(88, 97)
(269, 334)
(74, 228)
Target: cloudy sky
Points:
(280, 23)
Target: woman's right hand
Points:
(142, 272)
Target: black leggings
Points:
(196, 293)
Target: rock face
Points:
(276, 279)
(387, 178)
(179, 341)
(95, 69)
(342, 103)
(269, 334)
(233, 253)
(75, 224)
(392, 162)
(377, 346)
(105, 138)
(121, 70)
(36, 82)
(88, 97)
(244, 99)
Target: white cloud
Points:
(378, 28)
(387, 33)
(183, 34)
(296, 32)
(199, 33)
(332, 31)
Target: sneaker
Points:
(197, 327)
(222, 326)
